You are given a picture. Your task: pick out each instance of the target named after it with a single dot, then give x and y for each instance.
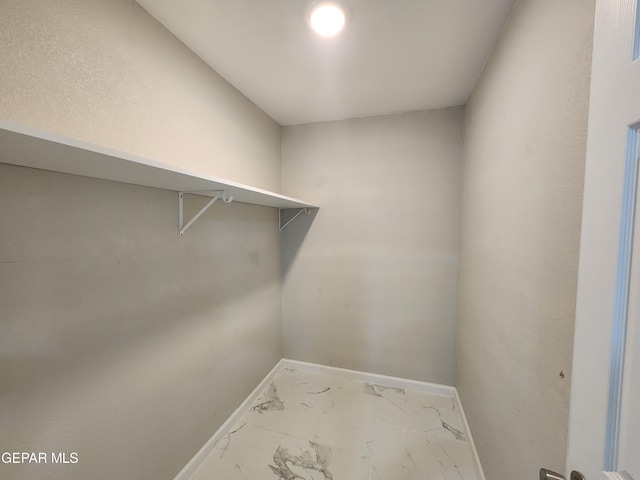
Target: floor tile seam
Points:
(433, 433)
(373, 458)
(278, 432)
(288, 434)
(411, 401)
(427, 433)
(420, 386)
(294, 403)
(423, 404)
(315, 441)
(415, 468)
(338, 382)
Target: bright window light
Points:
(327, 18)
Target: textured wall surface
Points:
(119, 339)
(524, 152)
(108, 73)
(370, 284)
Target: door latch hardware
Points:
(549, 475)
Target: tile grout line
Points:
(384, 380)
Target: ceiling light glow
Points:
(327, 18)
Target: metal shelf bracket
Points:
(306, 211)
(220, 195)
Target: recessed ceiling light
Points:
(327, 18)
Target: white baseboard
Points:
(415, 385)
(199, 457)
(423, 387)
(476, 458)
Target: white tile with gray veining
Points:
(312, 426)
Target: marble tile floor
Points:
(312, 426)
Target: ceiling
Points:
(393, 56)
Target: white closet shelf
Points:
(29, 147)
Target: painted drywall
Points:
(524, 154)
(370, 284)
(119, 339)
(109, 74)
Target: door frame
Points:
(605, 249)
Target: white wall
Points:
(108, 73)
(524, 152)
(130, 345)
(119, 339)
(370, 284)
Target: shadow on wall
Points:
(118, 336)
(293, 236)
(327, 321)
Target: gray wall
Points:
(524, 151)
(106, 72)
(130, 345)
(370, 285)
(119, 339)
